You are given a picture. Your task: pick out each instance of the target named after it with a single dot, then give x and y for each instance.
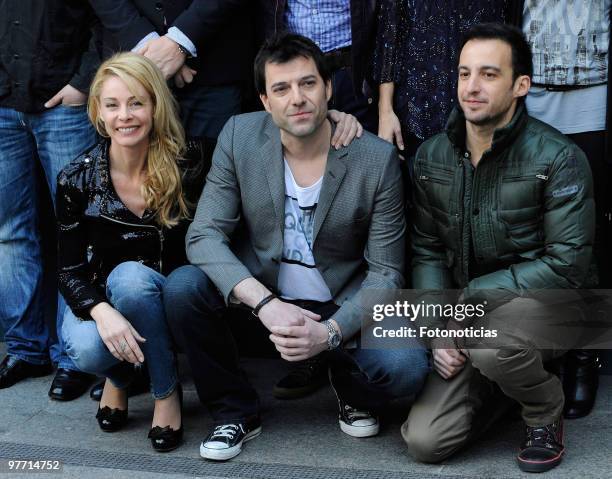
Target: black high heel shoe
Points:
(111, 419)
(164, 439)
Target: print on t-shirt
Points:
(298, 276)
(299, 226)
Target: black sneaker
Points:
(353, 421)
(304, 379)
(225, 441)
(357, 423)
(543, 448)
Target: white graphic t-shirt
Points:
(299, 277)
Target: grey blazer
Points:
(359, 231)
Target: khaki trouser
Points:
(449, 413)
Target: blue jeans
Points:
(135, 291)
(211, 335)
(54, 137)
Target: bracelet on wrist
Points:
(262, 303)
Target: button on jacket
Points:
(528, 211)
(97, 232)
(44, 45)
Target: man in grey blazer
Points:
(287, 237)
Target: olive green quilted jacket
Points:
(528, 205)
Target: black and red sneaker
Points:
(543, 447)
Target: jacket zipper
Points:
(434, 180)
(158, 230)
(459, 215)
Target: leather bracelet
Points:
(262, 303)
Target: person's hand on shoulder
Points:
(347, 128)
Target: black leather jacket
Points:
(97, 232)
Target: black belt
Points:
(340, 58)
(563, 87)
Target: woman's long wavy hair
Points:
(162, 189)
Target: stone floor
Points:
(301, 439)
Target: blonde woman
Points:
(122, 211)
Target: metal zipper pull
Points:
(161, 248)
(542, 177)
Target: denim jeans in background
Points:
(54, 137)
(135, 291)
(205, 109)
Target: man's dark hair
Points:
(282, 49)
(522, 62)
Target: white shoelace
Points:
(355, 414)
(226, 430)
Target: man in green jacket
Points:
(503, 206)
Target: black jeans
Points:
(205, 109)
(212, 335)
(593, 144)
(346, 99)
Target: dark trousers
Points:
(346, 99)
(205, 109)
(213, 337)
(593, 145)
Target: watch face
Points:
(334, 340)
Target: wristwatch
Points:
(333, 336)
(184, 51)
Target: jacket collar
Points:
(502, 137)
(272, 155)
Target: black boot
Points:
(580, 377)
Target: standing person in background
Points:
(45, 72)
(205, 48)
(415, 64)
(194, 43)
(570, 41)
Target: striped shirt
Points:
(325, 22)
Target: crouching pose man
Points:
(293, 232)
(503, 203)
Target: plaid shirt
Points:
(326, 22)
